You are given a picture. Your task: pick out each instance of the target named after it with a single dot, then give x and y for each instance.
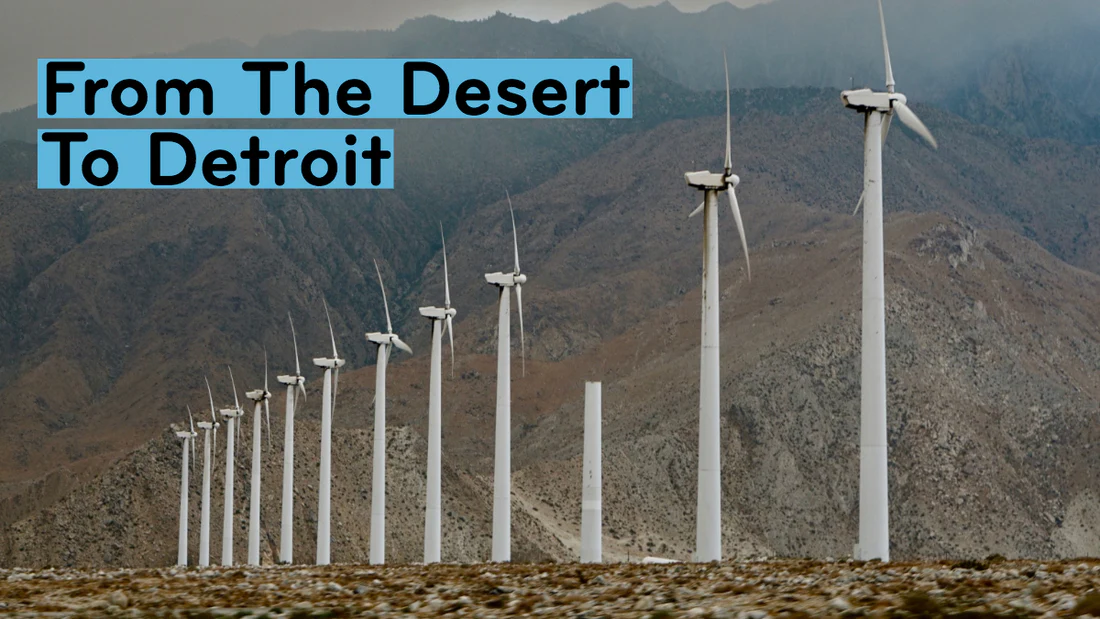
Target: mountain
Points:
(113, 305)
(992, 350)
(941, 49)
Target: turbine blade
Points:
(236, 401)
(729, 159)
(740, 228)
(385, 303)
(213, 413)
(886, 50)
(910, 119)
(446, 276)
(330, 333)
(402, 345)
(214, 451)
(451, 334)
(698, 209)
(192, 439)
(265, 369)
(860, 203)
(301, 386)
(886, 127)
(267, 411)
(335, 387)
(522, 342)
(294, 336)
(515, 240)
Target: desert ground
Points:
(740, 590)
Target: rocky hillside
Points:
(992, 385)
(114, 304)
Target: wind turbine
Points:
(328, 403)
(441, 319)
(708, 523)
(207, 466)
(185, 486)
(502, 464)
(230, 415)
(878, 108)
(293, 385)
(262, 398)
(384, 341)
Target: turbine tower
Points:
(708, 523)
(261, 398)
(207, 467)
(502, 464)
(878, 108)
(294, 384)
(328, 403)
(185, 486)
(384, 341)
(592, 483)
(441, 319)
(230, 415)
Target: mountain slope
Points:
(992, 347)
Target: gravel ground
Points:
(744, 590)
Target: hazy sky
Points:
(31, 29)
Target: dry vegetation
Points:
(745, 590)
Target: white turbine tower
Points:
(502, 464)
(261, 398)
(384, 341)
(231, 416)
(207, 467)
(708, 524)
(185, 486)
(878, 108)
(592, 483)
(441, 319)
(294, 383)
(328, 403)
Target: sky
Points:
(32, 29)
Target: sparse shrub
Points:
(971, 564)
(920, 604)
(1088, 605)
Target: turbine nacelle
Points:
(711, 180)
(186, 434)
(388, 339)
(438, 313)
(231, 413)
(329, 364)
(204, 425)
(258, 395)
(867, 100)
(506, 280)
(291, 380)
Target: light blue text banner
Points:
(352, 88)
(215, 159)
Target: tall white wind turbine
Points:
(708, 523)
(328, 403)
(878, 108)
(294, 384)
(261, 398)
(502, 463)
(384, 341)
(188, 437)
(231, 416)
(207, 467)
(441, 319)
